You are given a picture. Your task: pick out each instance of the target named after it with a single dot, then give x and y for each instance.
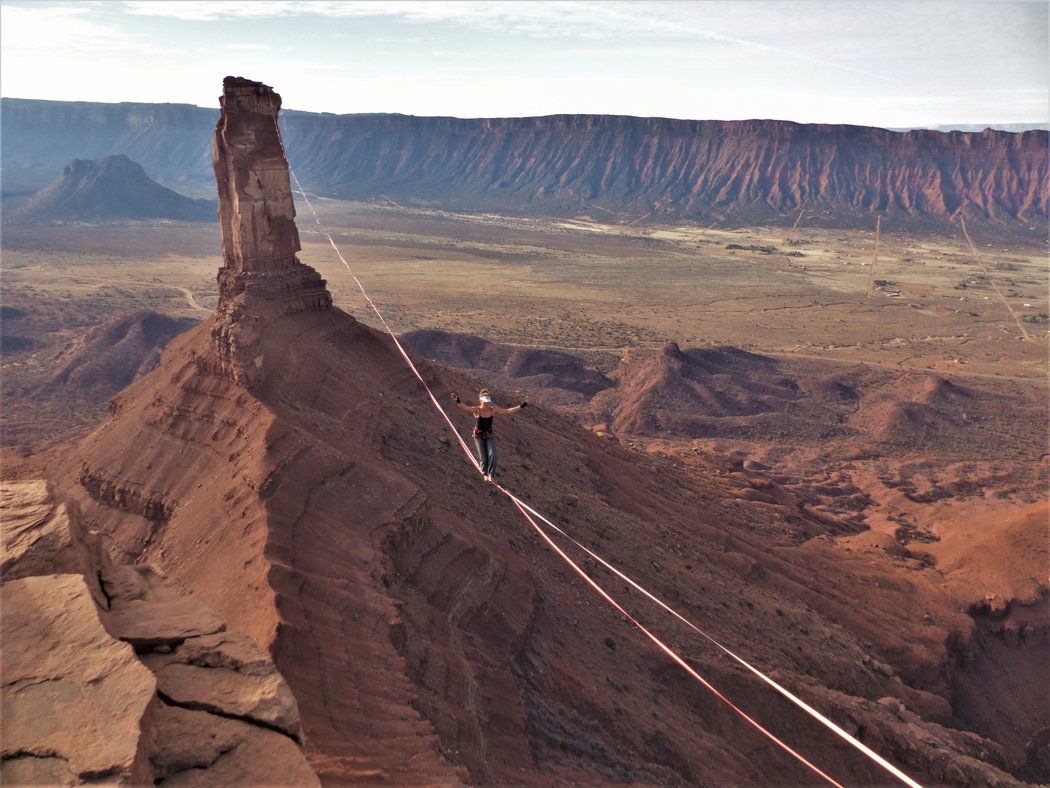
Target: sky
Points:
(889, 63)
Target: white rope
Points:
(782, 690)
(525, 510)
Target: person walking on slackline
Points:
(483, 439)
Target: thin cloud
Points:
(206, 11)
(41, 31)
(580, 19)
(813, 60)
(549, 19)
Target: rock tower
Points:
(261, 279)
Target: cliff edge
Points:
(282, 464)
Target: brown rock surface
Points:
(161, 622)
(256, 212)
(41, 536)
(746, 171)
(194, 748)
(229, 675)
(741, 171)
(69, 385)
(74, 699)
(557, 377)
(261, 277)
(107, 357)
(430, 637)
(36, 531)
(146, 611)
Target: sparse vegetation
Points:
(593, 289)
(753, 248)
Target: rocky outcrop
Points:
(146, 612)
(261, 278)
(71, 378)
(227, 674)
(256, 213)
(694, 392)
(77, 703)
(197, 706)
(558, 377)
(42, 535)
(195, 748)
(127, 496)
(171, 141)
(727, 171)
(706, 170)
(427, 634)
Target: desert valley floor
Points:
(594, 287)
(867, 321)
(896, 382)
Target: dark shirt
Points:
(483, 429)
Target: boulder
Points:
(194, 748)
(43, 536)
(146, 611)
(229, 675)
(75, 701)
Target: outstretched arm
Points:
(515, 409)
(472, 410)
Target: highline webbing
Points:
(528, 512)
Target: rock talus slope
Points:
(282, 464)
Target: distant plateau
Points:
(609, 167)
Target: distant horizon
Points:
(914, 64)
(1015, 127)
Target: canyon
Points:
(284, 468)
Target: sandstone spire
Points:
(261, 279)
(255, 196)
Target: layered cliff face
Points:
(737, 171)
(429, 637)
(256, 214)
(170, 140)
(710, 171)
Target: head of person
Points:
(484, 397)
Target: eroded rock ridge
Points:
(424, 633)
